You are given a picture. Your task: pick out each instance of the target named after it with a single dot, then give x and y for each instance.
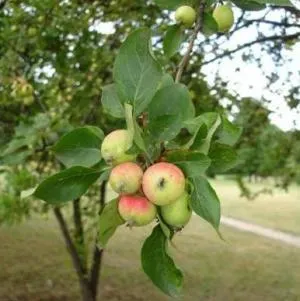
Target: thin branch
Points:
(84, 283)
(262, 40)
(198, 27)
(79, 232)
(98, 253)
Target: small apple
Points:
(41, 19)
(136, 210)
(163, 183)
(178, 213)
(126, 178)
(223, 15)
(185, 15)
(32, 31)
(114, 147)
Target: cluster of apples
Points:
(222, 14)
(144, 194)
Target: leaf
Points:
(109, 221)
(205, 202)
(192, 163)
(276, 2)
(223, 157)
(159, 266)
(136, 73)
(66, 185)
(111, 101)
(166, 127)
(228, 133)
(172, 40)
(80, 147)
(173, 4)
(249, 4)
(166, 80)
(196, 126)
(169, 108)
(210, 26)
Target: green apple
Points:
(126, 178)
(114, 147)
(223, 15)
(185, 15)
(136, 210)
(32, 31)
(163, 183)
(178, 213)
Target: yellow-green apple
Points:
(185, 15)
(114, 147)
(126, 178)
(224, 17)
(178, 213)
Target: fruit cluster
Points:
(22, 91)
(222, 14)
(160, 189)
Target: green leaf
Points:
(66, 185)
(166, 80)
(172, 41)
(192, 163)
(109, 221)
(136, 73)
(111, 101)
(249, 5)
(210, 26)
(205, 202)
(169, 108)
(276, 2)
(228, 132)
(207, 124)
(223, 157)
(173, 4)
(159, 266)
(80, 147)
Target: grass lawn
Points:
(281, 210)
(35, 266)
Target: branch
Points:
(84, 284)
(79, 232)
(98, 253)
(261, 40)
(198, 28)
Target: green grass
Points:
(281, 210)
(35, 266)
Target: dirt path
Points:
(262, 231)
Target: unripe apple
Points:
(223, 15)
(185, 15)
(136, 210)
(126, 178)
(163, 183)
(114, 147)
(178, 213)
(32, 31)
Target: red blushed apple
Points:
(126, 178)
(163, 183)
(136, 210)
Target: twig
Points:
(264, 39)
(198, 27)
(98, 253)
(84, 283)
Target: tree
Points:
(59, 68)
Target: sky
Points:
(251, 80)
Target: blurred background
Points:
(55, 56)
